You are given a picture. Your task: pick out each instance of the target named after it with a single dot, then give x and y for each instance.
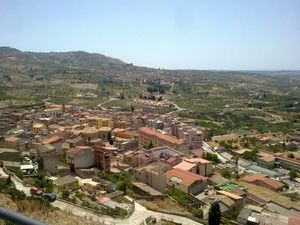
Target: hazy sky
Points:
(200, 34)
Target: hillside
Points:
(247, 100)
(13, 60)
(40, 212)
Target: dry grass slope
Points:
(42, 213)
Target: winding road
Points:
(138, 216)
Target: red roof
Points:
(103, 200)
(294, 220)
(198, 152)
(12, 139)
(53, 139)
(187, 178)
(262, 177)
(77, 149)
(157, 134)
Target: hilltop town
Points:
(111, 143)
(106, 161)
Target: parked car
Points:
(35, 191)
(26, 158)
(49, 197)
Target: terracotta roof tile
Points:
(157, 134)
(12, 139)
(262, 177)
(188, 178)
(53, 139)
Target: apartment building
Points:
(48, 157)
(99, 122)
(80, 157)
(185, 181)
(147, 135)
(196, 165)
(153, 175)
(102, 158)
(139, 158)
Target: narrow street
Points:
(139, 215)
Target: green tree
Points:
(124, 185)
(8, 182)
(212, 157)
(249, 155)
(214, 216)
(293, 174)
(148, 145)
(65, 193)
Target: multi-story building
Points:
(139, 158)
(38, 128)
(153, 175)
(12, 142)
(80, 157)
(99, 122)
(102, 158)
(190, 134)
(104, 132)
(48, 157)
(186, 181)
(149, 135)
(196, 165)
(125, 134)
(125, 145)
(193, 138)
(156, 124)
(54, 140)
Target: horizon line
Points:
(161, 68)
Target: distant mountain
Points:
(11, 58)
(7, 51)
(25, 65)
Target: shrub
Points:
(226, 173)
(65, 194)
(293, 174)
(197, 213)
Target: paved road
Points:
(19, 185)
(293, 89)
(109, 100)
(207, 148)
(172, 86)
(177, 109)
(139, 215)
